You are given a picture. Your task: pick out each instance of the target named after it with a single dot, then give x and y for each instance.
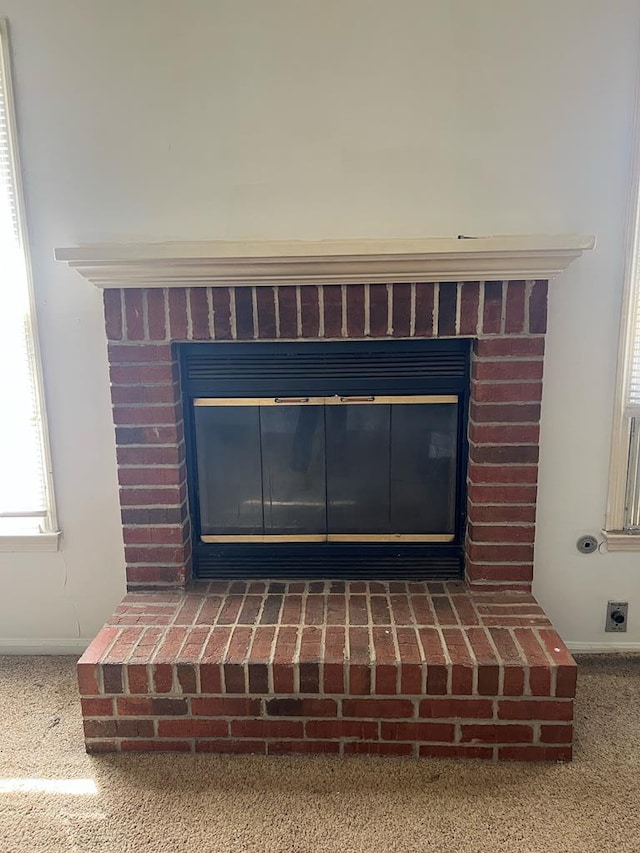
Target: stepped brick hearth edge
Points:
(479, 673)
(396, 668)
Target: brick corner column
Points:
(149, 428)
(504, 434)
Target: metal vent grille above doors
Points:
(305, 368)
(327, 459)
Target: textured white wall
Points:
(163, 119)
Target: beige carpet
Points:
(206, 803)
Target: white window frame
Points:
(49, 538)
(616, 537)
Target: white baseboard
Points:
(603, 648)
(43, 645)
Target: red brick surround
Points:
(335, 667)
(507, 320)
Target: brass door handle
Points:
(291, 399)
(357, 399)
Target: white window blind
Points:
(632, 383)
(25, 493)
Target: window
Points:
(623, 510)
(27, 515)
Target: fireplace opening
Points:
(315, 459)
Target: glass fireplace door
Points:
(391, 468)
(261, 469)
(327, 469)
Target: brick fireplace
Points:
(395, 666)
(507, 321)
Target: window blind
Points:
(24, 500)
(633, 388)
(632, 384)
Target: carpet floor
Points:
(53, 797)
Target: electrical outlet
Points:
(617, 612)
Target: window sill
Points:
(30, 542)
(617, 540)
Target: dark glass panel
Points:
(389, 469)
(293, 469)
(229, 470)
(423, 467)
(358, 469)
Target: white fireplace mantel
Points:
(219, 263)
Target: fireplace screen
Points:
(327, 459)
(327, 469)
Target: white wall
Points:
(195, 119)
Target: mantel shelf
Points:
(219, 263)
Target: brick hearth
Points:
(422, 669)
